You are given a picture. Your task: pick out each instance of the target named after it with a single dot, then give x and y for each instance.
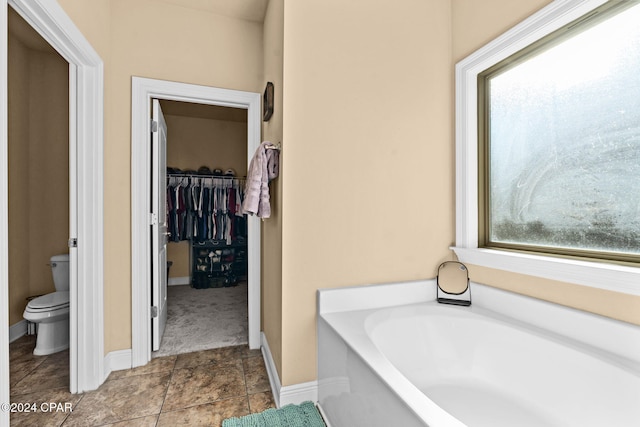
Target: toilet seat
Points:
(49, 302)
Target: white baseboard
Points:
(274, 380)
(116, 361)
(296, 393)
(17, 330)
(175, 281)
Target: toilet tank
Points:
(60, 271)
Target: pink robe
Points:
(263, 168)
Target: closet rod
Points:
(199, 175)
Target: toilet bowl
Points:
(51, 312)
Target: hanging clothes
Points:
(205, 208)
(264, 167)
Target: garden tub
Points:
(391, 356)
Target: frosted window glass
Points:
(564, 143)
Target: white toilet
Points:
(51, 312)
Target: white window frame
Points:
(613, 277)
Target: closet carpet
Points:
(202, 319)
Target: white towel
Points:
(263, 168)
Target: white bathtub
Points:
(391, 356)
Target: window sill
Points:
(611, 277)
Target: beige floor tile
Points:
(22, 347)
(201, 388)
(204, 384)
(260, 401)
(255, 375)
(120, 400)
(157, 365)
(210, 414)
(20, 368)
(245, 352)
(53, 372)
(149, 421)
(216, 355)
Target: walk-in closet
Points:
(207, 251)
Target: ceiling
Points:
(250, 10)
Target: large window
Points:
(548, 147)
(559, 141)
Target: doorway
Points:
(206, 159)
(85, 151)
(39, 193)
(143, 91)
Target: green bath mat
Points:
(303, 415)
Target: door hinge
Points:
(73, 242)
(154, 311)
(153, 219)
(154, 126)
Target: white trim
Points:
(142, 91)
(272, 371)
(618, 278)
(4, 221)
(593, 274)
(87, 306)
(116, 361)
(17, 330)
(178, 281)
(284, 395)
(298, 393)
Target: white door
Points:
(159, 231)
(74, 213)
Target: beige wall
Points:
(367, 166)
(93, 18)
(193, 142)
(38, 170)
(271, 308)
(18, 85)
(162, 41)
(475, 24)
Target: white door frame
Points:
(86, 148)
(142, 91)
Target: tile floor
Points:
(193, 389)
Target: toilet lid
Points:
(53, 300)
